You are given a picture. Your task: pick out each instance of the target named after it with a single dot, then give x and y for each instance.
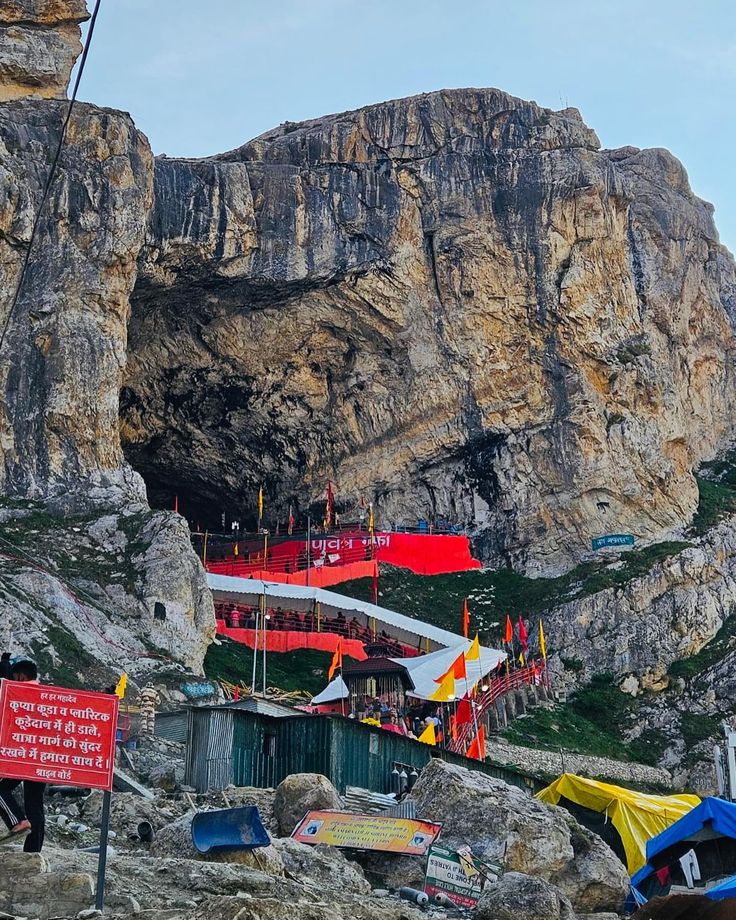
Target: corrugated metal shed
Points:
(228, 745)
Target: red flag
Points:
(523, 637)
(328, 509)
(336, 660)
(375, 583)
(466, 618)
(291, 521)
(477, 747)
(509, 630)
(464, 712)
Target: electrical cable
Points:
(52, 173)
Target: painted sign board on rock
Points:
(367, 832)
(613, 540)
(55, 735)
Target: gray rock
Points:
(502, 823)
(300, 793)
(521, 897)
(320, 867)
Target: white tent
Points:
(424, 669)
(335, 690)
(298, 597)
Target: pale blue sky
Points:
(203, 77)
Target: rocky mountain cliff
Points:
(90, 578)
(456, 305)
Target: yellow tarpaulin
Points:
(637, 817)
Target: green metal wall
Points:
(266, 750)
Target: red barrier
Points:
(346, 556)
(319, 576)
(289, 641)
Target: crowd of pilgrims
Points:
(410, 720)
(241, 616)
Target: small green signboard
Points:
(613, 540)
(457, 874)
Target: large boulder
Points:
(320, 867)
(503, 823)
(521, 897)
(300, 793)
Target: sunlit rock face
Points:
(39, 43)
(457, 305)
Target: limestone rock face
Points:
(455, 304)
(39, 44)
(666, 615)
(65, 348)
(300, 793)
(500, 822)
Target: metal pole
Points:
(204, 550)
(265, 640)
(255, 658)
(309, 546)
(102, 861)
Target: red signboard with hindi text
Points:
(53, 735)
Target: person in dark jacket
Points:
(30, 819)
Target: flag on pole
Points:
(291, 521)
(260, 504)
(522, 661)
(542, 643)
(374, 584)
(509, 630)
(457, 669)
(466, 618)
(473, 653)
(523, 636)
(446, 690)
(428, 735)
(121, 686)
(464, 714)
(371, 522)
(477, 747)
(328, 507)
(236, 551)
(336, 660)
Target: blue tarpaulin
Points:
(722, 818)
(725, 890)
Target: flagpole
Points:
(255, 657)
(309, 546)
(265, 640)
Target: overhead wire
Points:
(51, 175)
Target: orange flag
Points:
(509, 630)
(477, 747)
(466, 618)
(457, 669)
(336, 660)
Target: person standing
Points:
(30, 818)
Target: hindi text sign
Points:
(367, 832)
(54, 735)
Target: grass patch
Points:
(709, 654)
(716, 501)
(438, 599)
(75, 667)
(592, 723)
(696, 727)
(303, 669)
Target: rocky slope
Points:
(90, 577)
(456, 304)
